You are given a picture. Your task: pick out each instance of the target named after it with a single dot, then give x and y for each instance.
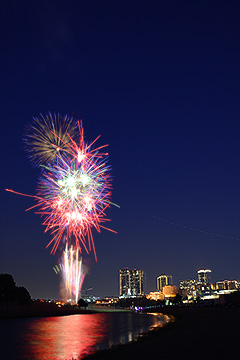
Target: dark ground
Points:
(197, 333)
(38, 309)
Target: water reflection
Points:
(63, 337)
(67, 337)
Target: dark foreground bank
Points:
(197, 333)
(38, 309)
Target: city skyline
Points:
(163, 280)
(160, 84)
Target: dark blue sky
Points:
(160, 81)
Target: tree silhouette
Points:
(82, 303)
(22, 295)
(9, 292)
(7, 288)
(177, 299)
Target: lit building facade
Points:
(170, 291)
(203, 288)
(187, 288)
(204, 276)
(163, 280)
(131, 283)
(191, 289)
(155, 295)
(227, 285)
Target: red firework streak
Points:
(73, 194)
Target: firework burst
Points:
(73, 193)
(73, 197)
(48, 137)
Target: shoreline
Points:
(31, 311)
(196, 333)
(32, 314)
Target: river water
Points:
(71, 337)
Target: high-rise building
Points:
(203, 276)
(163, 280)
(131, 282)
(187, 288)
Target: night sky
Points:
(160, 81)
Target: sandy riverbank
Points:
(198, 333)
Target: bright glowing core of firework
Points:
(72, 197)
(72, 274)
(75, 187)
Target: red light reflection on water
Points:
(64, 337)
